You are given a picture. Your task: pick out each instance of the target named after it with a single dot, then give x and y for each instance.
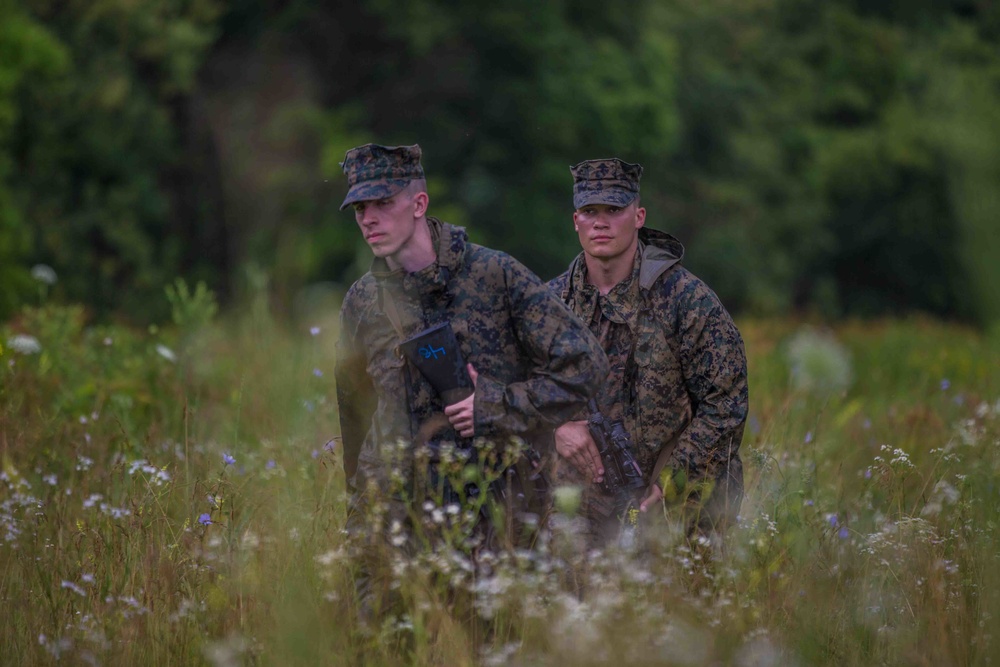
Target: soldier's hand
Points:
(654, 496)
(462, 414)
(573, 442)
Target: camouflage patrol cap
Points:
(377, 172)
(609, 181)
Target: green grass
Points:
(868, 534)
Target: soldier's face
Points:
(607, 232)
(389, 224)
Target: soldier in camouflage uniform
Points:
(533, 363)
(678, 376)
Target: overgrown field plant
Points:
(175, 495)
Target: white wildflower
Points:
(44, 273)
(942, 495)
(226, 652)
(818, 362)
(330, 557)
(166, 353)
(24, 344)
(250, 540)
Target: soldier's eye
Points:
(613, 209)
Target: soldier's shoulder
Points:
(361, 288)
(486, 260)
(678, 282)
(477, 253)
(687, 296)
(360, 295)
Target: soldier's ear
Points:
(640, 217)
(420, 202)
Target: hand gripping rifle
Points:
(622, 476)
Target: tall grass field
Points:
(175, 496)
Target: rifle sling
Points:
(388, 306)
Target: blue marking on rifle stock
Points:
(427, 351)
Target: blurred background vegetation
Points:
(833, 158)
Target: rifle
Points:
(622, 476)
(523, 488)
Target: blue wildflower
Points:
(317, 372)
(228, 459)
(809, 437)
(945, 383)
(844, 533)
(205, 519)
(313, 331)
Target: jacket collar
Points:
(658, 251)
(620, 305)
(450, 244)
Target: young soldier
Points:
(678, 377)
(533, 363)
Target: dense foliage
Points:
(832, 156)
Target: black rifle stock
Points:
(436, 354)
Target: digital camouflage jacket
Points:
(678, 374)
(537, 363)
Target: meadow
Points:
(174, 495)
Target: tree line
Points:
(837, 157)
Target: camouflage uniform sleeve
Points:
(568, 366)
(558, 284)
(355, 392)
(715, 374)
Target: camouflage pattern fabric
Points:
(537, 363)
(685, 387)
(610, 181)
(377, 172)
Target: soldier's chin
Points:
(601, 250)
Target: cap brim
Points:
(608, 196)
(373, 191)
